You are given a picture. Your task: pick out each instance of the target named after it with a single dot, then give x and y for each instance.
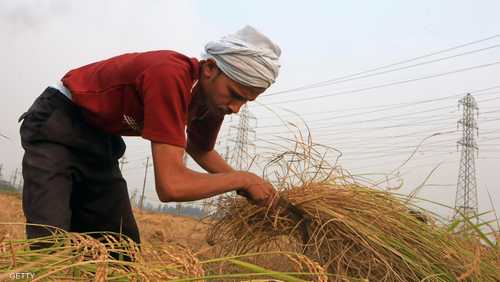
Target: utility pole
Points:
(21, 181)
(133, 199)
(123, 161)
(178, 205)
(144, 183)
(466, 194)
(1, 166)
(14, 179)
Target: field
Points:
(353, 233)
(168, 241)
(155, 228)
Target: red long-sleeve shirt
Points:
(146, 94)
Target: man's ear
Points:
(211, 62)
(210, 69)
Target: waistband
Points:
(57, 98)
(62, 89)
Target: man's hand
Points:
(258, 191)
(176, 183)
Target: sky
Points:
(372, 79)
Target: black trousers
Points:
(71, 176)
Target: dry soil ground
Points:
(155, 228)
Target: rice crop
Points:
(84, 257)
(356, 231)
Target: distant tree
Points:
(6, 187)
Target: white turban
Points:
(247, 57)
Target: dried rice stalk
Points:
(357, 232)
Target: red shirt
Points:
(146, 94)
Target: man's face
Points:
(222, 94)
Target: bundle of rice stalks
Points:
(354, 231)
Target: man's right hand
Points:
(258, 191)
(176, 183)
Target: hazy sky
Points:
(376, 118)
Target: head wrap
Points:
(247, 57)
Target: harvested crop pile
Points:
(356, 232)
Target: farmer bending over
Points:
(72, 133)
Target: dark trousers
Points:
(71, 176)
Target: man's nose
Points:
(236, 106)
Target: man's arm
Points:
(175, 182)
(210, 161)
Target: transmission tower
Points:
(466, 195)
(240, 154)
(237, 144)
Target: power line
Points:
(418, 159)
(436, 119)
(412, 168)
(395, 105)
(382, 155)
(427, 147)
(398, 140)
(386, 147)
(328, 119)
(391, 70)
(347, 158)
(330, 129)
(387, 65)
(417, 135)
(382, 117)
(384, 107)
(398, 145)
(357, 91)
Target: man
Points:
(71, 134)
